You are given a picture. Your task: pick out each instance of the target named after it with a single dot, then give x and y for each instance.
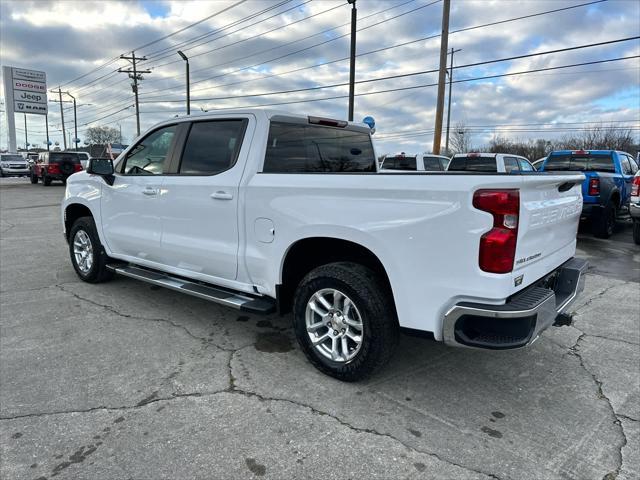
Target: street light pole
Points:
(184, 57)
(352, 61)
(46, 120)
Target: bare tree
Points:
(460, 139)
(102, 135)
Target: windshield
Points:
(57, 157)
(11, 158)
(473, 164)
(580, 163)
(399, 162)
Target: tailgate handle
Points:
(566, 186)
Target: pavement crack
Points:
(115, 311)
(597, 296)
(575, 350)
(238, 391)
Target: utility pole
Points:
(64, 136)
(352, 61)
(135, 75)
(446, 148)
(444, 45)
(184, 57)
(75, 122)
(26, 138)
(46, 120)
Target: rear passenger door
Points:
(201, 197)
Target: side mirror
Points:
(102, 167)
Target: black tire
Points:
(1, 173)
(33, 177)
(97, 272)
(636, 232)
(46, 181)
(605, 222)
(367, 291)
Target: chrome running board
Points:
(229, 298)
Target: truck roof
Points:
(569, 152)
(258, 112)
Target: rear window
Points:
(55, 157)
(400, 162)
(580, 163)
(298, 148)
(433, 164)
(473, 164)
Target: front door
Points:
(132, 207)
(200, 214)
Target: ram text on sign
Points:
(28, 107)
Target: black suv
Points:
(55, 166)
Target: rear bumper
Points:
(590, 209)
(521, 320)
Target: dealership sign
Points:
(25, 91)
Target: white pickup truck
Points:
(260, 210)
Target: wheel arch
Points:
(308, 253)
(72, 212)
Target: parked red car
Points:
(55, 166)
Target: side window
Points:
(634, 165)
(525, 166)
(148, 156)
(625, 165)
(212, 147)
(296, 148)
(432, 164)
(511, 165)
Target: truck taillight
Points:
(77, 167)
(594, 186)
(635, 186)
(498, 245)
(53, 168)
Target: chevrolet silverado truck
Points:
(264, 211)
(607, 185)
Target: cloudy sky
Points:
(241, 50)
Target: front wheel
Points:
(87, 253)
(636, 232)
(345, 320)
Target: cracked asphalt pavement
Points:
(126, 381)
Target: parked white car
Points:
(489, 162)
(84, 159)
(426, 162)
(260, 210)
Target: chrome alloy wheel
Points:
(83, 251)
(334, 325)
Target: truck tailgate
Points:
(550, 207)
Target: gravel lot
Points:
(123, 380)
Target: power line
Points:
(403, 75)
(429, 37)
(337, 97)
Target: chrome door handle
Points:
(150, 191)
(221, 195)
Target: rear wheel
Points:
(636, 232)
(604, 223)
(345, 321)
(87, 253)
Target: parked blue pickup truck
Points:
(607, 186)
